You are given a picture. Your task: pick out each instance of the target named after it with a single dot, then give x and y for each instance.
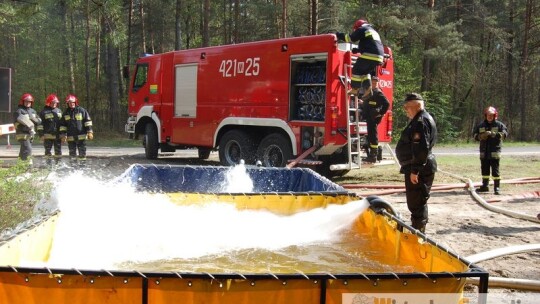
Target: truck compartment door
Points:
(185, 91)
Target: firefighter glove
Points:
(355, 50)
(494, 134)
(32, 132)
(90, 135)
(483, 136)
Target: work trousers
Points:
(48, 144)
(372, 134)
(490, 164)
(26, 148)
(75, 145)
(417, 196)
(361, 68)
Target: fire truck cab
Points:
(268, 101)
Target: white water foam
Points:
(104, 224)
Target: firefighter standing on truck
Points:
(26, 120)
(490, 133)
(418, 164)
(76, 128)
(371, 52)
(374, 108)
(48, 130)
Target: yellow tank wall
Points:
(400, 248)
(45, 289)
(33, 245)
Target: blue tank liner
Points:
(210, 179)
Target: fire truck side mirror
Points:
(125, 72)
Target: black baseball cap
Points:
(412, 96)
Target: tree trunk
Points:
(87, 52)
(113, 86)
(314, 16)
(284, 19)
(205, 21)
(178, 26)
(236, 20)
(69, 49)
(129, 38)
(457, 64)
(523, 80)
(426, 61)
(98, 58)
(143, 29)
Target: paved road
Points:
(7, 153)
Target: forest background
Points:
(463, 55)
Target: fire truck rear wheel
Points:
(234, 146)
(274, 151)
(151, 144)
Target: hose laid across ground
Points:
(521, 284)
(490, 207)
(486, 255)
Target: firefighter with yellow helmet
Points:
(26, 120)
(75, 129)
(490, 133)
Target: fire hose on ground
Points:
(514, 283)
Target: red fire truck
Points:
(270, 101)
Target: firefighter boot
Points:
(484, 187)
(419, 224)
(496, 186)
(379, 153)
(353, 91)
(372, 156)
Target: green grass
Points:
(466, 166)
(21, 189)
(113, 140)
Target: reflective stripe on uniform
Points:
(374, 57)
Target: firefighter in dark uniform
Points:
(490, 133)
(48, 130)
(26, 120)
(374, 109)
(76, 128)
(371, 55)
(418, 164)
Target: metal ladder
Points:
(353, 138)
(353, 120)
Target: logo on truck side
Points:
(385, 83)
(235, 67)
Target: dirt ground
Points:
(458, 222)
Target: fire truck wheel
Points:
(274, 151)
(234, 146)
(151, 144)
